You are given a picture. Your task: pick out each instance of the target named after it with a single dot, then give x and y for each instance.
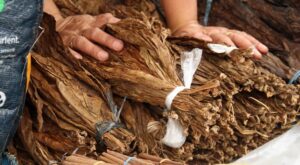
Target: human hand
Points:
(82, 34)
(223, 36)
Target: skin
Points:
(182, 20)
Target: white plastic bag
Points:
(219, 48)
(283, 150)
(175, 136)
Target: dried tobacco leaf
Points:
(234, 106)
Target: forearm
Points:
(51, 8)
(179, 12)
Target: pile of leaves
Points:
(235, 104)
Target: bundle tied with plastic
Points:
(175, 136)
(232, 106)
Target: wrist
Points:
(179, 13)
(57, 16)
(51, 9)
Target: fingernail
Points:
(202, 37)
(102, 56)
(78, 57)
(116, 20)
(118, 45)
(263, 48)
(256, 53)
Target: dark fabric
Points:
(19, 23)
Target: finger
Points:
(242, 42)
(99, 36)
(75, 54)
(214, 30)
(261, 47)
(198, 35)
(202, 36)
(222, 38)
(105, 19)
(256, 53)
(84, 45)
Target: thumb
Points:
(202, 36)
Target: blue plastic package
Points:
(19, 22)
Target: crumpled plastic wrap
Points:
(175, 136)
(283, 150)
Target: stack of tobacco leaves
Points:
(274, 23)
(115, 158)
(230, 109)
(66, 112)
(234, 105)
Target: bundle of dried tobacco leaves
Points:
(234, 105)
(114, 158)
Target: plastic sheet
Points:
(219, 48)
(175, 136)
(283, 150)
(19, 22)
